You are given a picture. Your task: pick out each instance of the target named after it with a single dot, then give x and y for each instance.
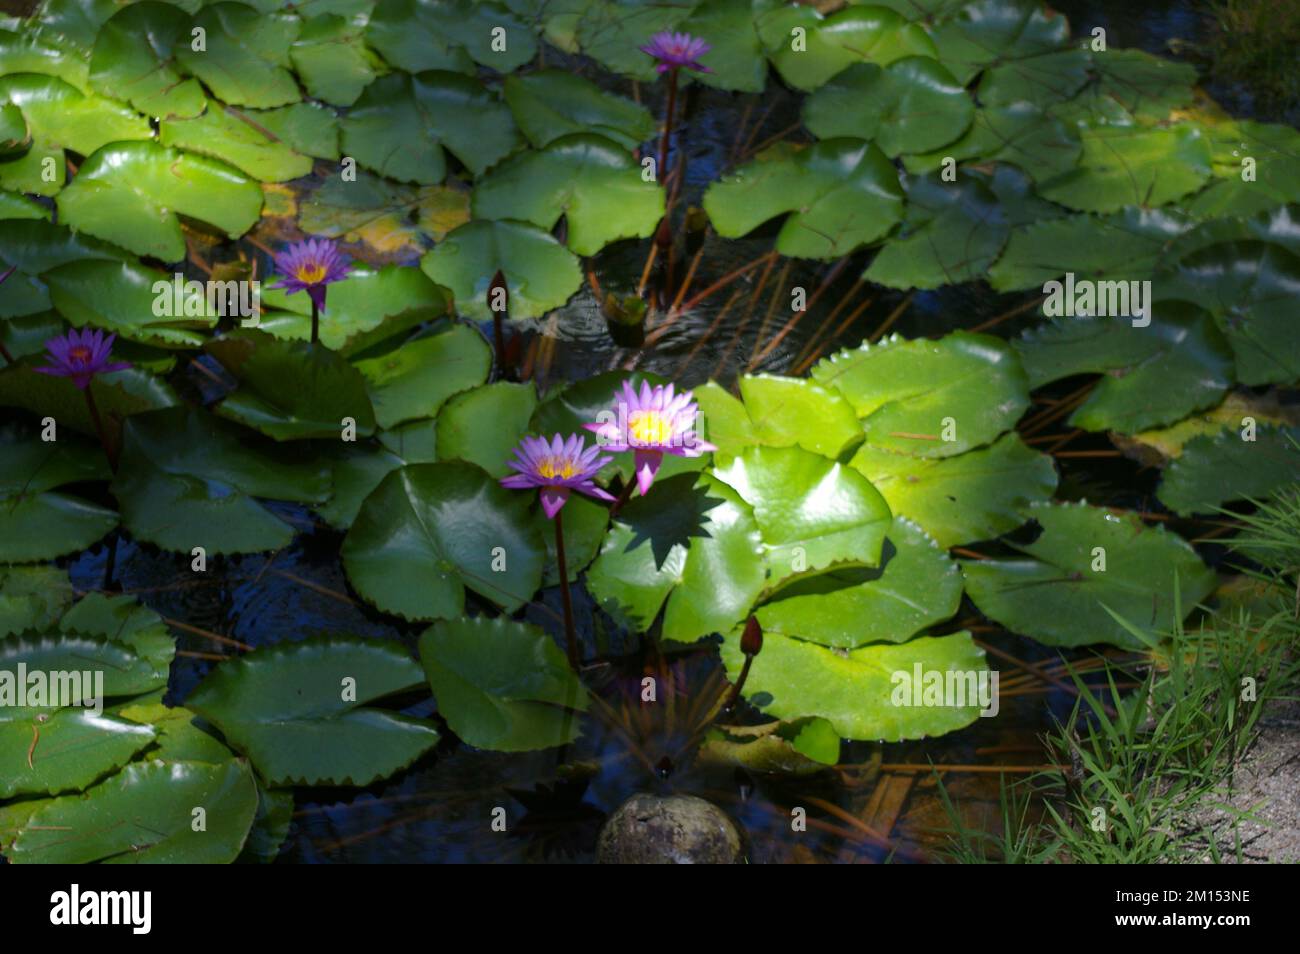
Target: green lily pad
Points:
(30, 465)
(1274, 150)
(776, 412)
(389, 218)
(1153, 376)
(974, 496)
(126, 672)
(411, 41)
(912, 105)
(540, 273)
(549, 104)
(593, 183)
(356, 470)
(239, 139)
(130, 194)
(60, 117)
(450, 34)
(1020, 134)
(692, 542)
(414, 379)
(402, 124)
(188, 479)
(841, 193)
(1149, 87)
(74, 748)
(134, 59)
(31, 53)
(144, 814)
(859, 33)
(32, 597)
(331, 58)
(1055, 595)
(431, 530)
(300, 711)
(1130, 165)
(987, 33)
(246, 57)
(855, 689)
(35, 527)
(915, 586)
(909, 393)
(812, 513)
(483, 426)
(952, 233)
(1043, 80)
(293, 390)
(124, 621)
(736, 58)
(612, 32)
(121, 297)
(117, 396)
(15, 206)
(1215, 469)
(502, 685)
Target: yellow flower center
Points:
(650, 427)
(553, 468)
(311, 274)
(80, 353)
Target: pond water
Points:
(883, 806)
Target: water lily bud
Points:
(751, 642)
(696, 225)
(664, 234)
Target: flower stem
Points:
(109, 452)
(315, 322)
(570, 633)
(660, 170)
(623, 497)
(730, 705)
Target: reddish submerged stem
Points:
(570, 633)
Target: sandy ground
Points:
(1267, 784)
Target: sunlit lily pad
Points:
(593, 183)
(502, 685)
(301, 711)
(245, 60)
(387, 217)
(1059, 594)
(483, 426)
(930, 398)
(1131, 165)
(915, 586)
(841, 193)
(239, 139)
(854, 690)
(1020, 134)
(413, 379)
(134, 60)
(973, 496)
(31, 53)
(431, 530)
(74, 748)
(776, 412)
(449, 35)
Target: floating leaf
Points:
(549, 104)
(431, 530)
(127, 299)
(1215, 469)
(36, 527)
(74, 748)
(912, 105)
(973, 496)
(1087, 563)
(540, 273)
(29, 53)
(612, 32)
(593, 183)
(125, 671)
(245, 59)
(1020, 134)
(299, 710)
(736, 58)
(130, 194)
(812, 512)
(402, 123)
(855, 689)
(909, 393)
(693, 542)
(239, 139)
(915, 586)
(502, 685)
(144, 814)
(385, 217)
(841, 193)
(134, 59)
(32, 597)
(446, 34)
(987, 33)
(414, 379)
(332, 60)
(483, 426)
(188, 479)
(776, 412)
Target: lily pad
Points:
(127, 299)
(402, 123)
(840, 193)
(1059, 594)
(431, 530)
(1215, 469)
(73, 748)
(130, 194)
(144, 814)
(592, 182)
(332, 60)
(446, 34)
(912, 105)
(549, 104)
(855, 689)
(239, 139)
(973, 496)
(987, 33)
(502, 685)
(540, 273)
(134, 59)
(35, 527)
(776, 412)
(32, 597)
(483, 426)
(386, 217)
(188, 479)
(915, 586)
(410, 40)
(245, 60)
(300, 711)
(911, 396)
(414, 379)
(1131, 165)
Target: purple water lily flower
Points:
(557, 468)
(651, 422)
(311, 266)
(80, 355)
(677, 51)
